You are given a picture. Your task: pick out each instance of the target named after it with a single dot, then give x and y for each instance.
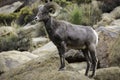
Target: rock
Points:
(83, 71)
(47, 49)
(107, 38)
(43, 68)
(107, 18)
(114, 55)
(7, 30)
(107, 6)
(26, 2)
(7, 2)
(13, 59)
(39, 41)
(71, 55)
(74, 56)
(79, 66)
(26, 30)
(3, 67)
(10, 8)
(115, 22)
(38, 29)
(112, 73)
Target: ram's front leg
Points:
(62, 50)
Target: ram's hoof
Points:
(61, 69)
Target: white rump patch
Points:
(96, 36)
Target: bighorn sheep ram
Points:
(66, 35)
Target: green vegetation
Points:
(7, 42)
(76, 15)
(22, 17)
(25, 15)
(7, 18)
(79, 14)
(21, 42)
(86, 14)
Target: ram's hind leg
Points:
(86, 55)
(92, 50)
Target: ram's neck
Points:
(50, 25)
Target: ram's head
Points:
(46, 11)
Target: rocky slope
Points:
(42, 62)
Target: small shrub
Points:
(76, 15)
(7, 18)
(25, 15)
(22, 42)
(83, 14)
(86, 14)
(79, 14)
(7, 42)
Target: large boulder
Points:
(39, 41)
(107, 39)
(112, 73)
(10, 8)
(108, 5)
(25, 2)
(114, 56)
(107, 18)
(116, 22)
(43, 68)
(47, 49)
(7, 30)
(38, 29)
(13, 59)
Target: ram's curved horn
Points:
(54, 7)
